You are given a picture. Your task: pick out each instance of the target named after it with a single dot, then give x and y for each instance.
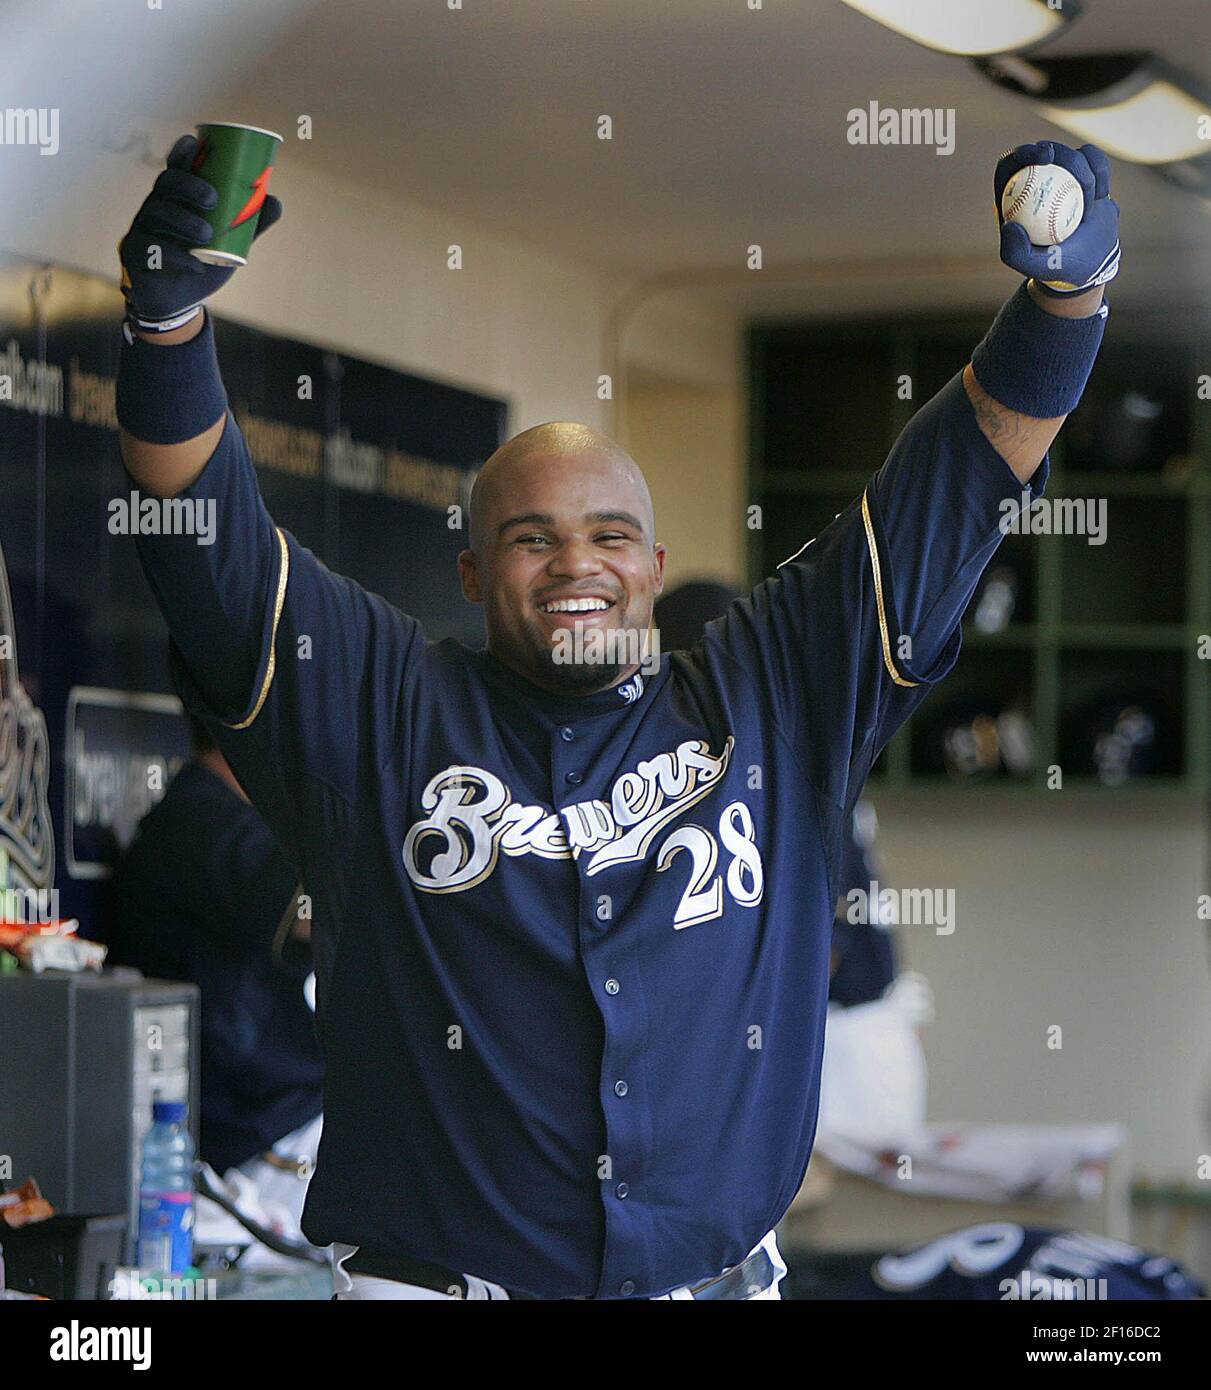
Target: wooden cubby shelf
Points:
(1096, 669)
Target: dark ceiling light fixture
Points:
(973, 27)
(1134, 105)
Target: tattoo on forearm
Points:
(1000, 424)
(1020, 439)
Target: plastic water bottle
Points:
(166, 1192)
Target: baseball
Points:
(1047, 200)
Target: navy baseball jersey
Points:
(574, 951)
(999, 1260)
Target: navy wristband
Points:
(1034, 362)
(167, 394)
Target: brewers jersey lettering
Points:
(999, 1260)
(573, 952)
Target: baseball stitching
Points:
(1023, 196)
(1057, 203)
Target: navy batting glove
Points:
(164, 285)
(1090, 256)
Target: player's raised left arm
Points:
(856, 627)
(1011, 390)
(1023, 440)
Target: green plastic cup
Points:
(238, 160)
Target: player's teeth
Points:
(576, 605)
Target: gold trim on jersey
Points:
(878, 578)
(278, 605)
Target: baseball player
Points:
(576, 914)
(863, 953)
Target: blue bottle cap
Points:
(171, 1112)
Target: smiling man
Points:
(573, 921)
(563, 546)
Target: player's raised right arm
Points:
(175, 427)
(165, 287)
(296, 670)
(165, 469)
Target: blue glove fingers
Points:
(172, 219)
(185, 188)
(178, 260)
(1020, 254)
(1100, 166)
(160, 217)
(183, 153)
(1078, 166)
(174, 257)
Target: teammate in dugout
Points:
(573, 991)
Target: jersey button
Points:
(626, 1288)
(567, 734)
(612, 986)
(621, 1088)
(621, 1190)
(573, 778)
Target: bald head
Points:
(566, 446)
